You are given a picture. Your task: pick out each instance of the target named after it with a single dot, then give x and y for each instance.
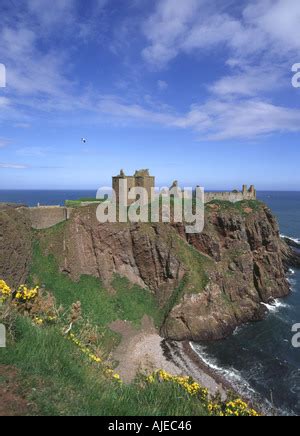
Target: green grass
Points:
(127, 302)
(78, 203)
(59, 380)
(238, 207)
(197, 264)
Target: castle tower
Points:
(252, 191)
(141, 179)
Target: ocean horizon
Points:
(57, 197)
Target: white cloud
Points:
(115, 107)
(38, 79)
(4, 102)
(162, 85)
(53, 12)
(248, 80)
(165, 28)
(12, 166)
(248, 119)
(278, 20)
(30, 71)
(265, 25)
(216, 120)
(259, 39)
(4, 142)
(33, 151)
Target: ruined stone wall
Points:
(233, 196)
(45, 217)
(227, 196)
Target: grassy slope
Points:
(59, 380)
(99, 305)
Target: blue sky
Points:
(198, 90)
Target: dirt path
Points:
(144, 350)
(12, 402)
(140, 350)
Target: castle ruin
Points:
(141, 179)
(43, 217)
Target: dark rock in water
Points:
(291, 253)
(291, 242)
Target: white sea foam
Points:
(229, 374)
(296, 240)
(240, 384)
(293, 283)
(237, 330)
(275, 306)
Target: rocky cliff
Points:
(250, 266)
(229, 270)
(15, 244)
(206, 284)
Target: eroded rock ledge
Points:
(251, 262)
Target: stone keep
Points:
(141, 179)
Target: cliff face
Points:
(237, 263)
(250, 269)
(15, 244)
(141, 252)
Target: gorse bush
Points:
(5, 291)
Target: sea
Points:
(259, 358)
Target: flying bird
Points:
(83, 140)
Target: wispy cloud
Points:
(13, 166)
(194, 26)
(238, 104)
(215, 120)
(33, 151)
(162, 85)
(4, 142)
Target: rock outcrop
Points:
(207, 284)
(141, 252)
(15, 244)
(247, 264)
(251, 262)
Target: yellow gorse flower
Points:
(214, 407)
(25, 294)
(187, 383)
(38, 321)
(108, 372)
(5, 291)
